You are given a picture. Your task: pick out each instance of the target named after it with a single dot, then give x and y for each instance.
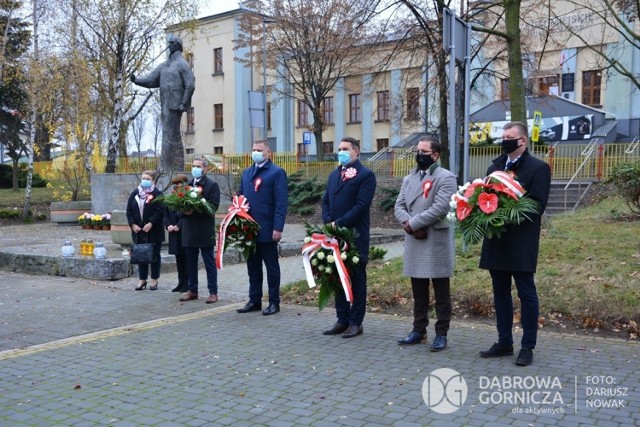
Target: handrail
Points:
(634, 144)
(379, 154)
(406, 153)
(551, 149)
(587, 152)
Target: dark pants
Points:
(181, 265)
(420, 288)
(209, 266)
(353, 314)
(143, 269)
(267, 253)
(526, 287)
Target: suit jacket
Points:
(151, 213)
(434, 256)
(268, 202)
(175, 238)
(348, 203)
(517, 249)
(199, 229)
(175, 80)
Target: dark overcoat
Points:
(266, 191)
(348, 203)
(175, 238)
(198, 229)
(151, 213)
(517, 249)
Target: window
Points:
(191, 128)
(302, 148)
(327, 108)
(383, 106)
(268, 115)
(548, 85)
(303, 113)
(218, 150)
(382, 143)
(218, 116)
(217, 60)
(327, 146)
(591, 81)
(413, 103)
(355, 108)
(505, 94)
(189, 151)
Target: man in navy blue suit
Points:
(347, 203)
(265, 186)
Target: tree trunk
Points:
(15, 173)
(443, 126)
(317, 132)
(516, 80)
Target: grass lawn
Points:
(588, 275)
(10, 199)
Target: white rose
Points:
(451, 216)
(193, 194)
(314, 262)
(453, 204)
(321, 267)
(320, 255)
(331, 259)
(328, 270)
(343, 255)
(307, 239)
(355, 260)
(248, 243)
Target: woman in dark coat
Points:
(173, 224)
(146, 221)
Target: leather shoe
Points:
(250, 306)
(336, 329)
(190, 295)
(352, 331)
(272, 309)
(498, 350)
(525, 357)
(180, 288)
(413, 338)
(212, 298)
(439, 343)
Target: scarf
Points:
(142, 195)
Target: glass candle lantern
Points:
(99, 251)
(67, 249)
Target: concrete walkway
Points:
(81, 352)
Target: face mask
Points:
(196, 172)
(424, 161)
(145, 183)
(257, 156)
(509, 145)
(344, 157)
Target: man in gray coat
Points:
(429, 248)
(177, 84)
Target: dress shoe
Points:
(154, 287)
(413, 338)
(336, 329)
(190, 295)
(272, 309)
(180, 288)
(525, 357)
(250, 306)
(212, 298)
(498, 350)
(439, 343)
(353, 331)
(141, 286)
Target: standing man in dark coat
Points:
(177, 84)
(347, 203)
(173, 224)
(515, 254)
(198, 234)
(265, 186)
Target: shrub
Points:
(389, 196)
(376, 253)
(626, 178)
(6, 177)
(304, 194)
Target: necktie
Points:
(342, 173)
(509, 165)
(422, 174)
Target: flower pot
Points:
(106, 227)
(97, 227)
(86, 226)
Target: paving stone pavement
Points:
(76, 352)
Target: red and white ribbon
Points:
(426, 187)
(239, 207)
(257, 184)
(509, 182)
(317, 242)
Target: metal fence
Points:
(564, 160)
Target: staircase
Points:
(561, 200)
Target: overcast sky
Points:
(212, 7)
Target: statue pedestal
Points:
(110, 191)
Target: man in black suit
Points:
(515, 253)
(347, 203)
(198, 235)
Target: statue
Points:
(177, 84)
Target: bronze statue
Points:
(177, 84)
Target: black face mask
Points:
(510, 145)
(424, 161)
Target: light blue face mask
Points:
(145, 183)
(257, 156)
(344, 157)
(196, 172)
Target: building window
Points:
(591, 82)
(413, 103)
(548, 85)
(327, 108)
(302, 148)
(303, 113)
(189, 151)
(327, 146)
(382, 143)
(505, 94)
(191, 128)
(218, 116)
(217, 60)
(355, 108)
(383, 106)
(218, 150)
(268, 115)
